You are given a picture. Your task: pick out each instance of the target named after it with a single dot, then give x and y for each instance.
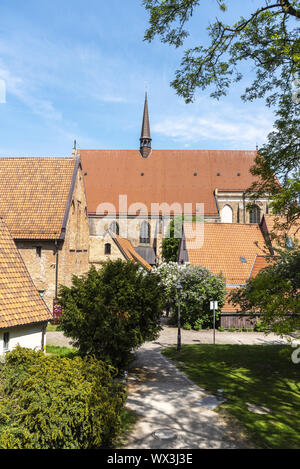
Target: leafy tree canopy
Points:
(274, 293)
(266, 42)
(268, 37)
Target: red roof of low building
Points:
(227, 248)
(20, 302)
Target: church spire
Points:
(145, 139)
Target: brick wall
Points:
(73, 252)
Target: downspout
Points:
(56, 268)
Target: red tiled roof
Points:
(271, 224)
(129, 251)
(224, 244)
(166, 176)
(228, 307)
(20, 302)
(34, 194)
(260, 262)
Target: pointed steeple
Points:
(145, 139)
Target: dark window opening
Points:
(218, 174)
(6, 341)
(38, 251)
(114, 227)
(145, 233)
(107, 249)
(255, 214)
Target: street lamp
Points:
(179, 288)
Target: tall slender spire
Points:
(145, 139)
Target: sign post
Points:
(214, 306)
(179, 288)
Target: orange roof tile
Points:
(271, 225)
(170, 176)
(228, 307)
(20, 302)
(129, 251)
(34, 194)
(224, 247)
(260, 262)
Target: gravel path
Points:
(168, 336)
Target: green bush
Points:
(259, 327)
(198, 324)
(50, 402)
(231, 329)
(111, 311)
(221, 328)
(187, 326)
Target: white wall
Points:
(26, 336)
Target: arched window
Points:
(107, 249)
(114, 227)
(255, 214)
(145, 233)
(226, 214)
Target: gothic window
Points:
(226, 214)
(145, 233)
(255, 214)
(114, 227)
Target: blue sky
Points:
(78, 69)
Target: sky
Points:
(78, 70)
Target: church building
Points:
(136, 192)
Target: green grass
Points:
(52, 327)
(128, 422)
(61, 351)
(258, 374)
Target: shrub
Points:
(111, 311)
(221, 328)
(200, 286)
(198, 324)
(50, 402)
(231, 329)
(259, 327)
(187, 326)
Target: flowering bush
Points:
(199, 287)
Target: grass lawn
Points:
(263, 375)
(52, 327)
(61, 351)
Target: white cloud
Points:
(225, 124)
